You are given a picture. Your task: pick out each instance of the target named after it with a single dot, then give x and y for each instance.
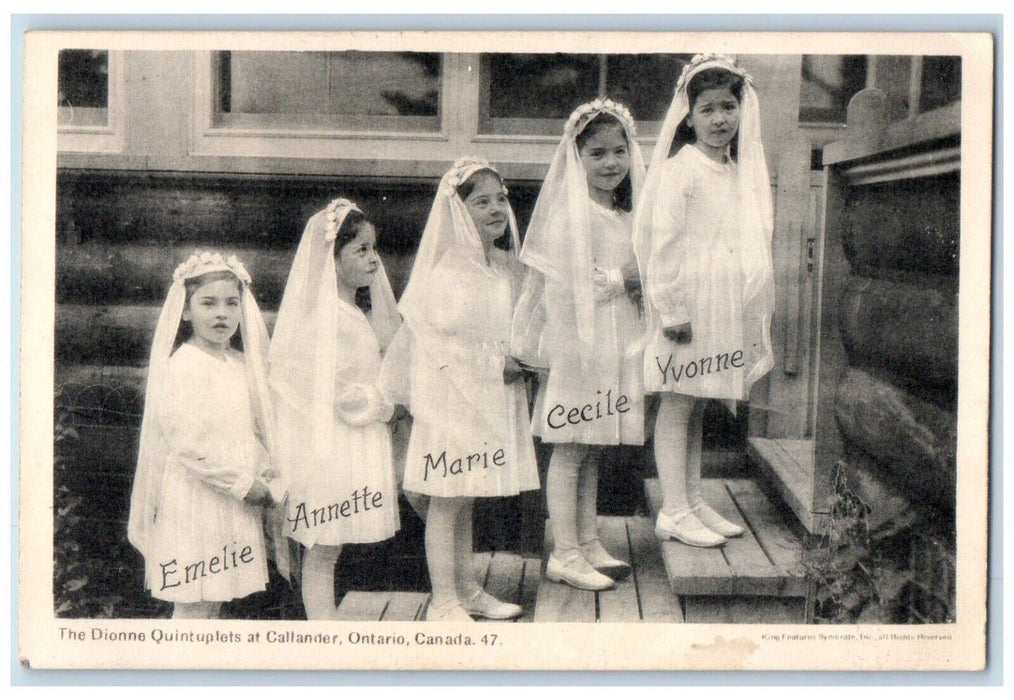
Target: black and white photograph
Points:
(505, 351)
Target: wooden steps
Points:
(509, 577)
(757, 577)
(788, 464)
(644, 596)
(385, 605)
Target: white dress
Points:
(207, 543)
(354, 499)
(609, 398)
(694, 275)
(470, 434)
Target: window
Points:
(83, 88)
(345, 90)
(940, 82)
(829, 82)
(535, 93)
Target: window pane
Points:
(829, 82)
(540, 86)
(645, 83)
(330, 85)
(941, 81)
(83, 78)
(82, 88)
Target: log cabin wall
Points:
(886, 424)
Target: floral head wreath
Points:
(703, 61)
(463, 169)
(580, 117)
(337, 210)
(201, 263)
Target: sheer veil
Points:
(307, 357)
(449, 229)
(756, 217)
(557, 291)
(153, 445)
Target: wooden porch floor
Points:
(753, 578)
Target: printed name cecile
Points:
(588, 412)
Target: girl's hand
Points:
(512, 371)
(353, 401)
(258, 495)
(606, 284)
(681, 334)
(269, 475)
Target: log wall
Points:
(895, 402)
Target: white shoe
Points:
(484, 605)
(451, 611)
(577, 572)
(686, 528)
(715, 522)
(604, 562)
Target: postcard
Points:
(505, 350)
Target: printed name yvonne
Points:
(364, 500)
(719, 362)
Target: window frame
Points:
(832, 124)
(515, 129)
(108, 137)
(341, 125)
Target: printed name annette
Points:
(354, 638)
(369, 500)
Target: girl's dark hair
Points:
(708, 79)
(465, 189)
(351, 226)
(191, 285)
(623, 195)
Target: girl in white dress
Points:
(337, 316)
(578, 317)
(450, 365)
(703, 239)
(203, 470)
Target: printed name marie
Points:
(705, 365)
(461, 465)
(361, 500)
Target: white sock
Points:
(464, 573)
(561, 497)
(318, 582)
(441, 519)
(695, 431)
(587, 498)
(671, 450)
